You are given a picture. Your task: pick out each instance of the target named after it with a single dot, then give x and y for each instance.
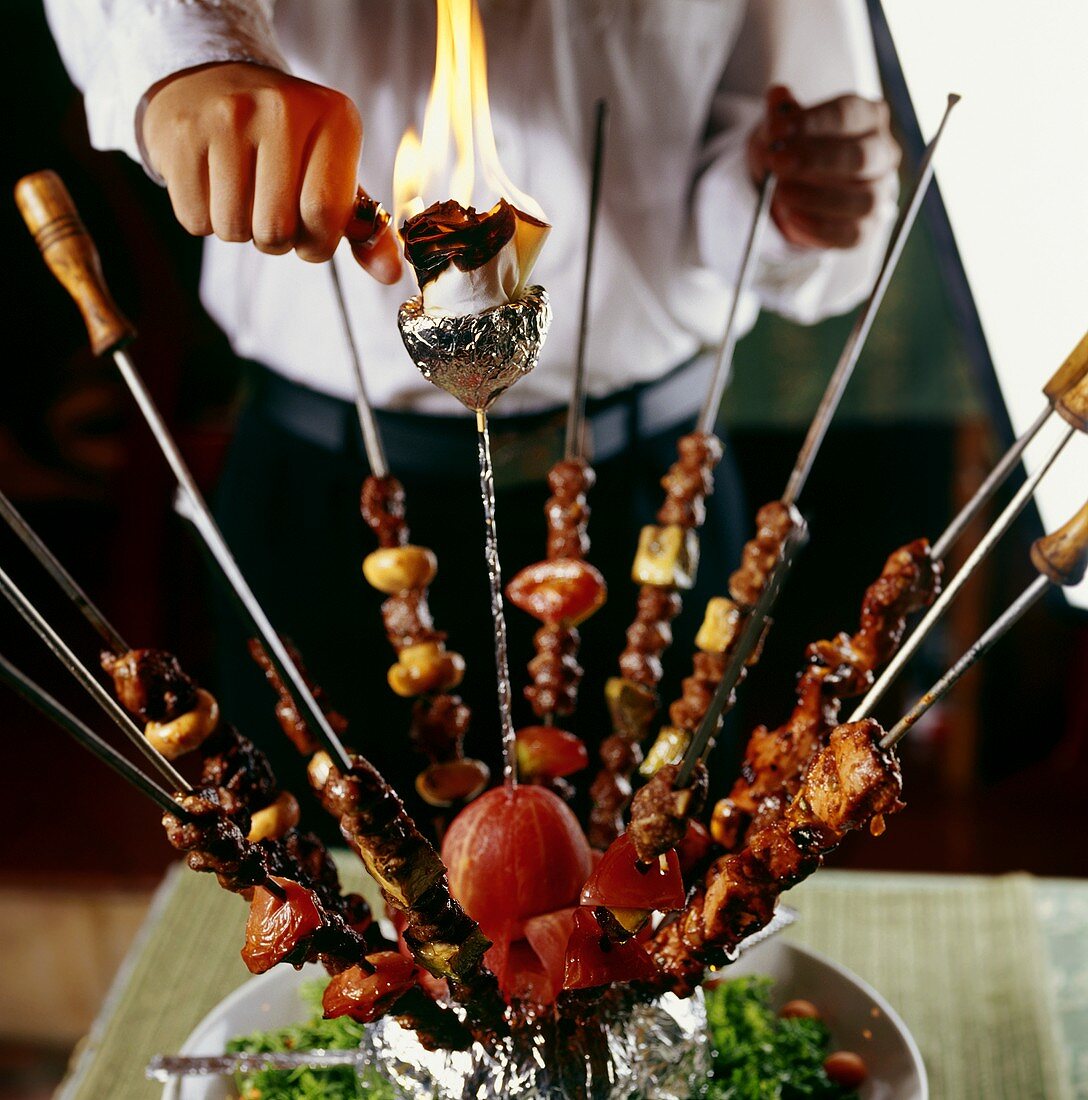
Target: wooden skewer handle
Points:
(1068, 389)
(71, 255)
(1063, 555)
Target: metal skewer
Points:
(64, 579)
(576, 413)
(71, 255)
(79, 731)
(708, 417)
(754, 626)
(856, 340)
(948, 594)
(829, 403)
(1067, 395)
(80, 671)
(368, 425)
(1062, 559)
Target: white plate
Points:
(859, 1019)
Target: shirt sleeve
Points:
(116, 50)
(820, 49)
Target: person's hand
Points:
(250, 153)
(835, 162)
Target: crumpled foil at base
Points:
(477, 357)
(657, 1050)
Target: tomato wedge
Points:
(694, 848)
(622, 881)
(593, 960)
(548, 936)
(367, 996)
(279, 925)
(550, 752)
(563, 590)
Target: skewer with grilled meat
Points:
(837, 669)
(424, 667)
(850, 782)
(665, 565)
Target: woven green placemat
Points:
(960, 958)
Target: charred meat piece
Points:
(382, 505)
(150, 684)
(660, 812)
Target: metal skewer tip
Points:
(844, 369)
(38, 697)
(723, 365)
(576, 413)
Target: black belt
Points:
(524, 446)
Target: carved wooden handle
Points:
(68, 249)
(1063, 555)
(1068, 389)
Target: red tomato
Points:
(513, 855)
(621, 881)
(435, 988)
(694, 848)
(564, 590)
(278, 927)
(366, 996)
(593, 959)
(551, 752)
(548, 936)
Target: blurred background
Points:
(995, 777)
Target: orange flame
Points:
(457, 108)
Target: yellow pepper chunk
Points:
(631, 706)
(669, 748)
(721, 624)
(667, 557)
(425, 668)
(394, 569)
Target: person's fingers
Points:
(230, 189)
(814, 231)
(187, 185)
(845, 116)
(275, 200)
(820, 159)
(850, 200)
(380, 257)
(327, 194)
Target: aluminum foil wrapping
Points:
(655, 1050)
(478, 357)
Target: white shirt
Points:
(684, 80)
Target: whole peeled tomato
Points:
(513, 855)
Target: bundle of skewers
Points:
(516, 920)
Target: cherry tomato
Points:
(547, 751)
(278, 926)
(563, 590)
(804, 1010)
(622, 881)
(593, 959)
(513, 855)
(366, 996)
